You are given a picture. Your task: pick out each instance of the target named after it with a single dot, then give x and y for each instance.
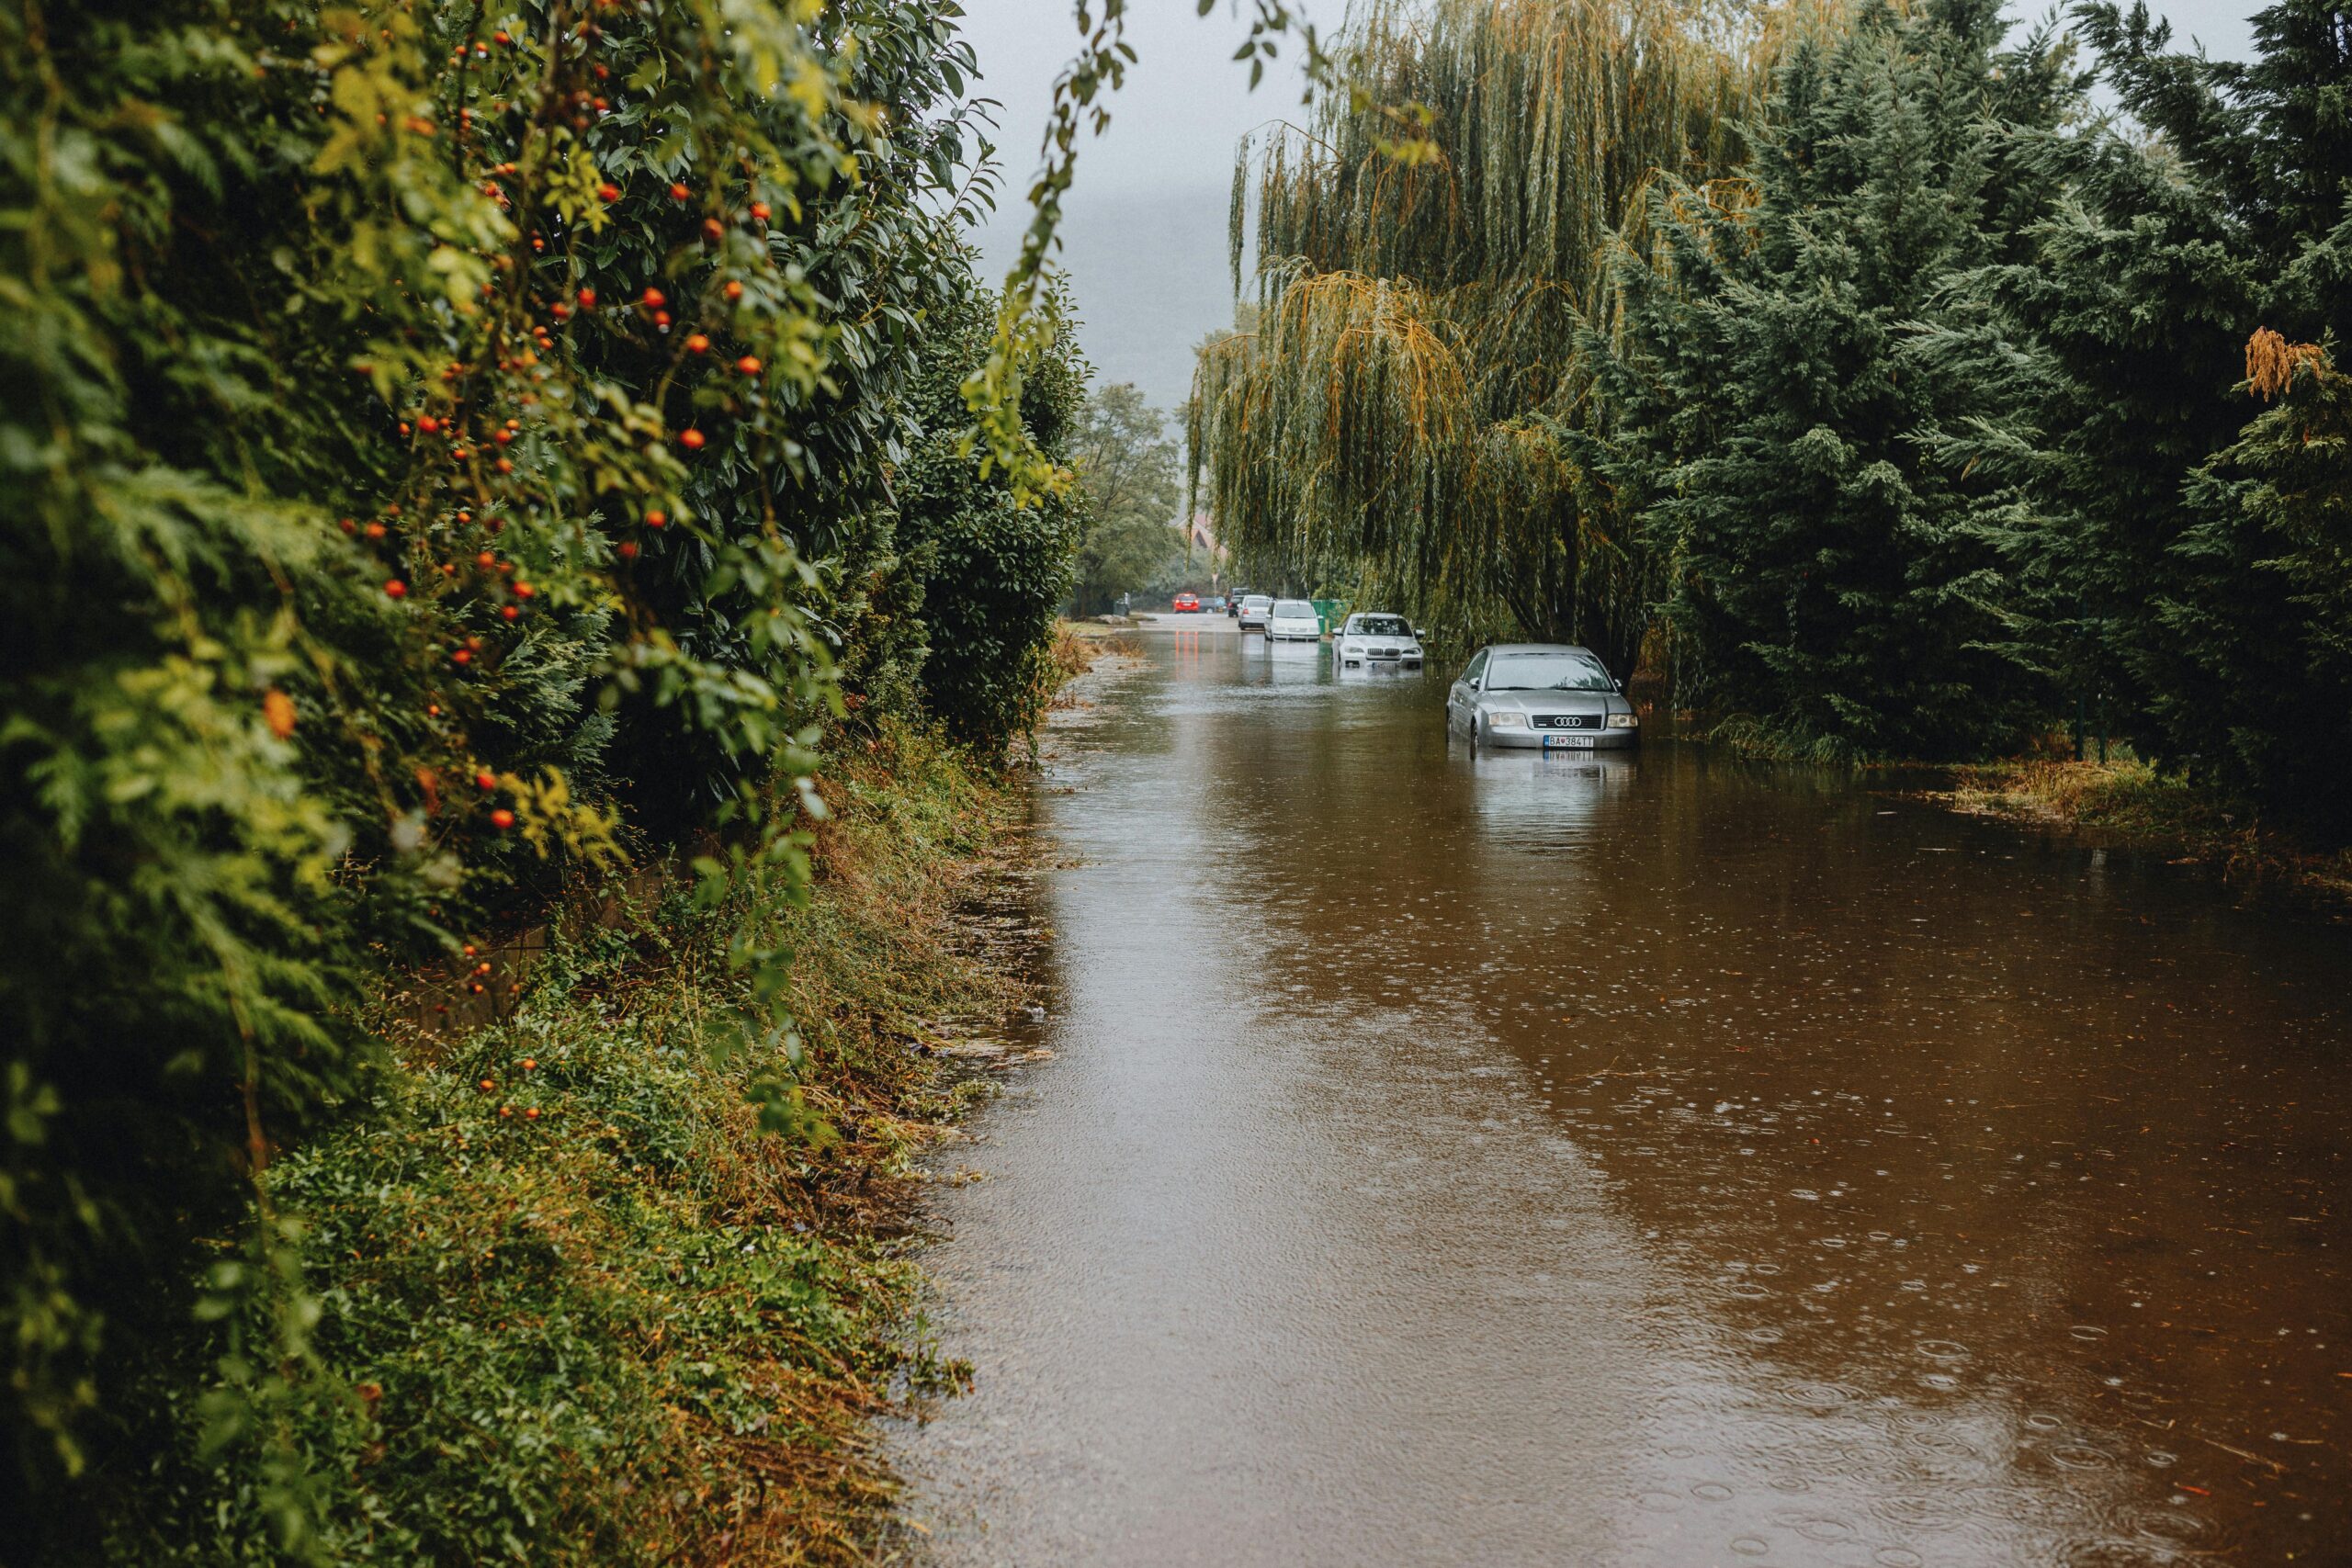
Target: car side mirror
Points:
(1475, 682)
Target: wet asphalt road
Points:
(1669, 1161)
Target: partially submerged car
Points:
(1374, 640)
(1252, 612)
(1293, 620)
(1543, 694)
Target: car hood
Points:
(1552, 702)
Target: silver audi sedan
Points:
(1542, 694)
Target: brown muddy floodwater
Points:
(1667, 1161)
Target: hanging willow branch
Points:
(1414, 409)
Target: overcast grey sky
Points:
(1145, 232)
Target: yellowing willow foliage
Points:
(422, 423)
(1405, 416)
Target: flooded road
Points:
(1666, 1160)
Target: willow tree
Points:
(1411, 402)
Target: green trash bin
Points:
(1331, 611)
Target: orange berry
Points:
(655, 298)
(749, 365)
(395, 589)
(657, 518)
(698, 343)
(485, 780)
(679, 192)
(758, 212)
(691, 440)
(587, 299)
(734, 289)
(501, 819)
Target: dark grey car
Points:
(1544, 695)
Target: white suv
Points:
(1373, 641)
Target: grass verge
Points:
(2138, 803)
(574, 1307)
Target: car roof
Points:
(1541, 647)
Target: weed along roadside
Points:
(2129, 802)
(571, 1294)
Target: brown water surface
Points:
(1667, 1160)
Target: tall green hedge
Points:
(443, 445)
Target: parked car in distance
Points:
(1294, 620)
(1214, 604)
(1540, 694)
(1376, 641)
(1186, 604)
(1253, 610)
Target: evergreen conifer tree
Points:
(1827, 578)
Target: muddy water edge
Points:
(1442, 1158)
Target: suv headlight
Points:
(1507, 721)
(1623, 721)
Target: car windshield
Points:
(1560, 671)
(1293, 609)
(1256, 602)
(1382, 626)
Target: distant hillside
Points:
(1149, 272)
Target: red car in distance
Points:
(1186, 604)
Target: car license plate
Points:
(1569, 742)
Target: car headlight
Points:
(1506, 721)
(1623, 721)
(1351, 647)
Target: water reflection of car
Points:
(1376, 641)
(1540, 694)
(1252, 614)
(1294, 620)
(1186, 604)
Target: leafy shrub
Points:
(428, 430)
(573, 1305)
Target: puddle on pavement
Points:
(1652, 1161)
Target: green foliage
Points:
(1906, 390)
(2148, 558)
(2275, 525)
(429, 428)
(1824, 582)
(572, 1307)
(994, 563)
(1126, 465)
(1406, 410)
